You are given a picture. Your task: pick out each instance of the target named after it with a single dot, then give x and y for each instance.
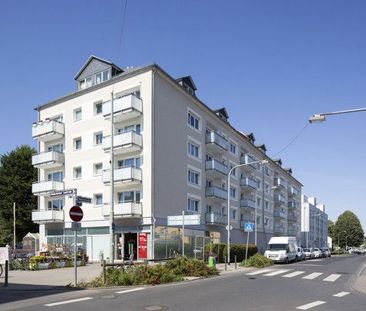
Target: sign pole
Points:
(246, 249)
(75, 257)
(183, 233)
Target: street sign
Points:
(248, 227)
(79, 198)
(189, 220)
(231, 228)
(63, 193)
(76, 213)
(76, 226)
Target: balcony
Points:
(249, 183)
(247, 203)
(50, 159)
(215, 219)
(292, 204)
(216, 140)
(48, 130)
(280, 183)
(124, 210)
(280, 214)
(44, 187)
(123, 143)
(292, 191)
(47, 216)
(248, 160)
(280, 199)
(124, 175)
(216, 192)
(124, 108)
(214, 165)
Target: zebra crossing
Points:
(289, 273)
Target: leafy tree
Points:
(331, 230)
(349, 230)
(16, 177)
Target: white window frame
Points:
(195, 170)
(95, 173)
(99, 102)
(235, 145)
(194, 197)
(75, 171)
(81, 143)
(95, 138)
(198, 144)
(196, 115)
(95, 199)
(75, 111)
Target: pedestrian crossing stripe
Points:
(293, 274)
(332, 278)
(285, 274)
(276, 272)
(312, 276)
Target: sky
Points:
(272, 64)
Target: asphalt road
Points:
(312, 285)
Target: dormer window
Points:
(94, 79)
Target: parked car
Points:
(326, 252)
(282, 249)
(308, 253)
(317, 252)
(358, 251)
(300, 254)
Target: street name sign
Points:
(76, 226)
(63, 193)
(248, 227)
(79, 198)
(76, 213)
(189, 220)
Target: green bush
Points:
(238, 250)
(257, 261)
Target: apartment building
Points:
(314, 223)
(171, 153)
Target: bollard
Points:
(6, 273)
(104, 273)
(236, 266)
(225, 263)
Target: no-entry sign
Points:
(76, 213)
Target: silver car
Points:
(308, 253)
(317, 252)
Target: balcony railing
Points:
(47, 216)
(48, 130)
(247, 159)
(124, 142)
(247, 203)
(280, 214)
(216, 139)
(124, 108)
(279, 199)
(279, 182)
(216, 166)
(216, 192)
(292, 204)
(249, 183)
(215, 219)
(49, 159)
(292, 191)
(124, 210)
(124, 174)
(42, 187)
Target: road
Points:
(324, 284)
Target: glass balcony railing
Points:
(216, 166)
(217, 139)
(247, 203)
(249, 182)
(216, 192)
(215, 219)
(250, 161)
(280, 214)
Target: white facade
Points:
(314, 223)
(172, 153)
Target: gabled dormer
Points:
(95, 71)
(188, 84)
(222, 114)
(262, 148)
(278, 162)
(250, 137)
(288, 170)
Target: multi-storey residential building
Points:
(314, 223)
(171, 153)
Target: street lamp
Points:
(228, 201)
(320, 117)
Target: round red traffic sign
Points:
(76, 213)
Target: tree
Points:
(16, 177)
(331, 230)
(349, 230)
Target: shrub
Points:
(257, 261)
(238, 250)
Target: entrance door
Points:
(130, 245)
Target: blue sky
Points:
(272, 64)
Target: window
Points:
(55, 176)
(77, 172)
(98, 199)
(105, 75)
(56, 148)
(258, 220)
(266, 205)
(129, 197)
(98, 108)
(98, 138)
(193, 177)
(55, 204)
(130, 128)
(209, 209)
(98, 169)
(259, 201)
(193, 121)
(192, 205)
(266, 188)
(77, 114)
(193, 150)
(131, 162)
(233, 192)
(266, 221)
(232, 148)
(77, 143)
(233, 214)
(233, 172)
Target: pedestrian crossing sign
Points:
(248, 227)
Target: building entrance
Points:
(130, 245)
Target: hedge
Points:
(238, 250)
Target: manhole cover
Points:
(156, 308)
(107, 297)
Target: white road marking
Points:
(260, 271)
(311, 305)
(341, 294)
(293, 274)
(67, 301)
(130, 290)
(312, 276)
(332, 278)
(276, 272)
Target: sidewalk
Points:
(231, 268)
(360, 283)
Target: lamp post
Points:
(321, 117)
(228, 201)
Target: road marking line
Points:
(260, 271)
(341, 294)
(311, 305)
(332, 278)
(276, 272)
(130, 290)
(293, 274)
(312, 276)
(67, 301)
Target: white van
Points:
(282, 249)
